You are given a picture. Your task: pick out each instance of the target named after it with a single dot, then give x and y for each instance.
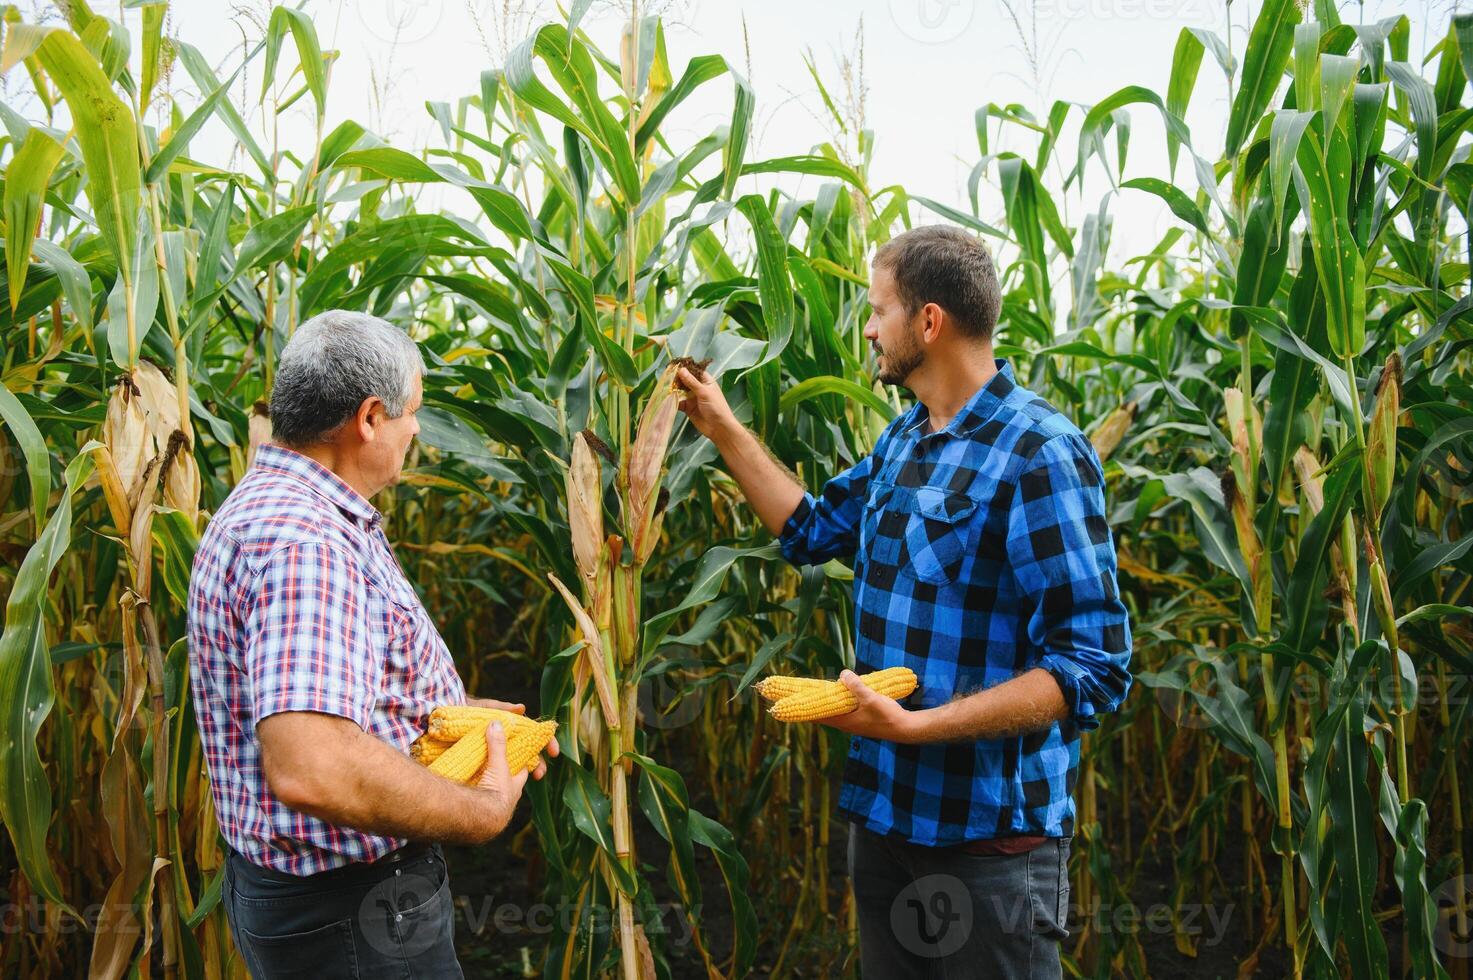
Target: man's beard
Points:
(901, 358)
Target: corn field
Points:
(1281, 390)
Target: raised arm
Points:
(767, 485)
(810, 529)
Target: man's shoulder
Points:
(265, 514)
(1036, 422)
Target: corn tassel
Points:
(836, 699)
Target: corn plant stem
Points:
(1460, 908)
(1262, 615)
(1373, 527)
(162, 803)
(1247, 812)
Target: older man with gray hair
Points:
(314, 666)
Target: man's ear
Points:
(369, 417)
(931, 317)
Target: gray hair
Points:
(332, 364)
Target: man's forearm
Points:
(374, 788)
(1028, 703)
(768, 487)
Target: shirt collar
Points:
(978, 409)
(317, 478)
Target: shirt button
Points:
(399, 917)
(398, 872)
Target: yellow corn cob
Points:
(835, 699)
(450, 721)
(464, 760)
(427, 749)
(776, 687)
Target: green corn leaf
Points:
(28, 694)
(26, 179)
(710, 834)
(665, 803)
(309, 53)
(108, 136)
(1269, 47)
(33, 447)
(829, 385)
(76, 285)
(779, 312)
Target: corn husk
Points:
(585, 510)
(647, 464)
(1240, 415)
(160, 401)
(181, 477)
(1381, 439)
(1311, 482)
(258, 431)
(1107, 436)
(593, 651)
(626, 611)
(140, 548)
(1381, 595)
(125, 434)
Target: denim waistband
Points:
(352, 871)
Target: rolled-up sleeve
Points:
(1063, 559)
(309, 645)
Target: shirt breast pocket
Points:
(938, 534)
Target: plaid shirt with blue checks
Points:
(980, 551)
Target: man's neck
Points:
(329, 455)
(944, 384)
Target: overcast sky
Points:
(927, 65)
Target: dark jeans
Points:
(939, 913)
(391, 918)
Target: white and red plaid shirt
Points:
(297, 604)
